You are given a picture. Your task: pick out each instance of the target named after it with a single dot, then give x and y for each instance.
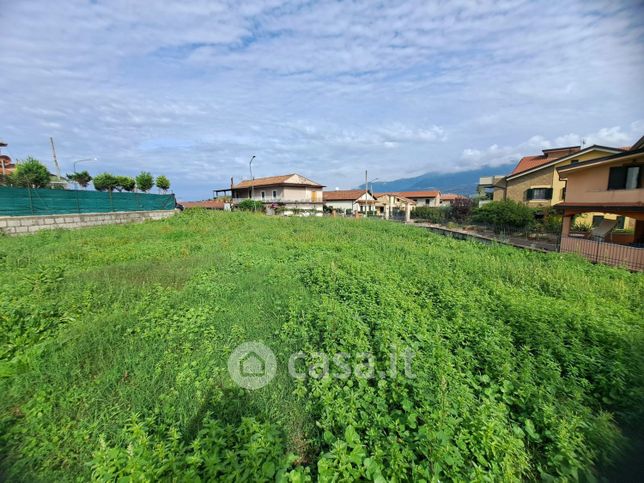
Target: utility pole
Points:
(252, 187)
(53, 150)
(366, 191)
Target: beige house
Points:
(349, 201)
(422, 198)
(448, 198)
(288, 194)
(613, 185)
(394, 205)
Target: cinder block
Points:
(14, 222)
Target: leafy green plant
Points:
(105, 182)
(163, 183)
(83, 178)
(432, 214)
(30, 173)
(506, 213)
(144, 181)
(125, 183)
(251, 205)
(581, 226)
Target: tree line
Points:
(31, 173)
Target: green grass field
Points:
(114, 345)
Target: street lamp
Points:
(366, 194)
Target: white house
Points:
(349, 201)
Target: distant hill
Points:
(462, 183)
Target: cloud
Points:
(329, 89)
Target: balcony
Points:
(278, 200)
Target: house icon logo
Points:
(252, 365)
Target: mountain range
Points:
(462, 183)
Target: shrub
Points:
(30, 173)
(125, 183)
(83, 178)
(506, 213)
(163, 183)
(144, 181)
(433, 214)
(582, 227)
(461, 209)
(251, 205)
(105, 182)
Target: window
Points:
(274, 194)
(539, 194)
(597, 220)
(625, 177)
(263, 195)
(427, 201)
(621, 220)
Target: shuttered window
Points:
(539, 194)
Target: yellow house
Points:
(535, 180)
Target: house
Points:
(422, 198)
(287, 194)
(486, 187)
(6, 166)
(394, 205)
(349, 201)
(448, 198)
(612, 185)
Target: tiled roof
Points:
(210, 204)
(530, 162)
(419, 194)
(277, 180)
(450, 197)
(342, 195)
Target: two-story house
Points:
(612, 185)
(286, 194)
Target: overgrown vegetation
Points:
(250, 205)
(114, 342)
(30, 173)
(506, 213)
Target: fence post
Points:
(31, 203)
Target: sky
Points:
(327, 89)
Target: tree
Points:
(125, 183)
(105, 182)
(502, 214)
(83, 178)
(251, 205)
(163, 183)
(30, 173)
(461, 208)
(144, 181)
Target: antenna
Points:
(53, 151)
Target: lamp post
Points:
(367, 192)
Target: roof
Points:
(396, 194)
(419, 194)
(529, 164)
(209, 204)
(342, 195)
(602, 160)
(451, 197)
(292, 179)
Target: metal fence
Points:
(601, 252)
(27, 201)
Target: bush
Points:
(83, 178)
(144, 181)
(461, 209)
(433, 214)
(163, 183)
(125, 183)
(582, 227)
(251, 205)
(506, 213)
(105, 182)
(30, 173)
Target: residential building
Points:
(349, 201)
(612, 185)
(486, 187)
(6, 165)
(422, 198)
(287, 194)
(448, 198)
(394, 205)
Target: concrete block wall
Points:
(19, 225)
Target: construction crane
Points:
(53, 150)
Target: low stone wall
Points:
(18, 225)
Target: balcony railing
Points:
(601, 252)
(269, 200)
